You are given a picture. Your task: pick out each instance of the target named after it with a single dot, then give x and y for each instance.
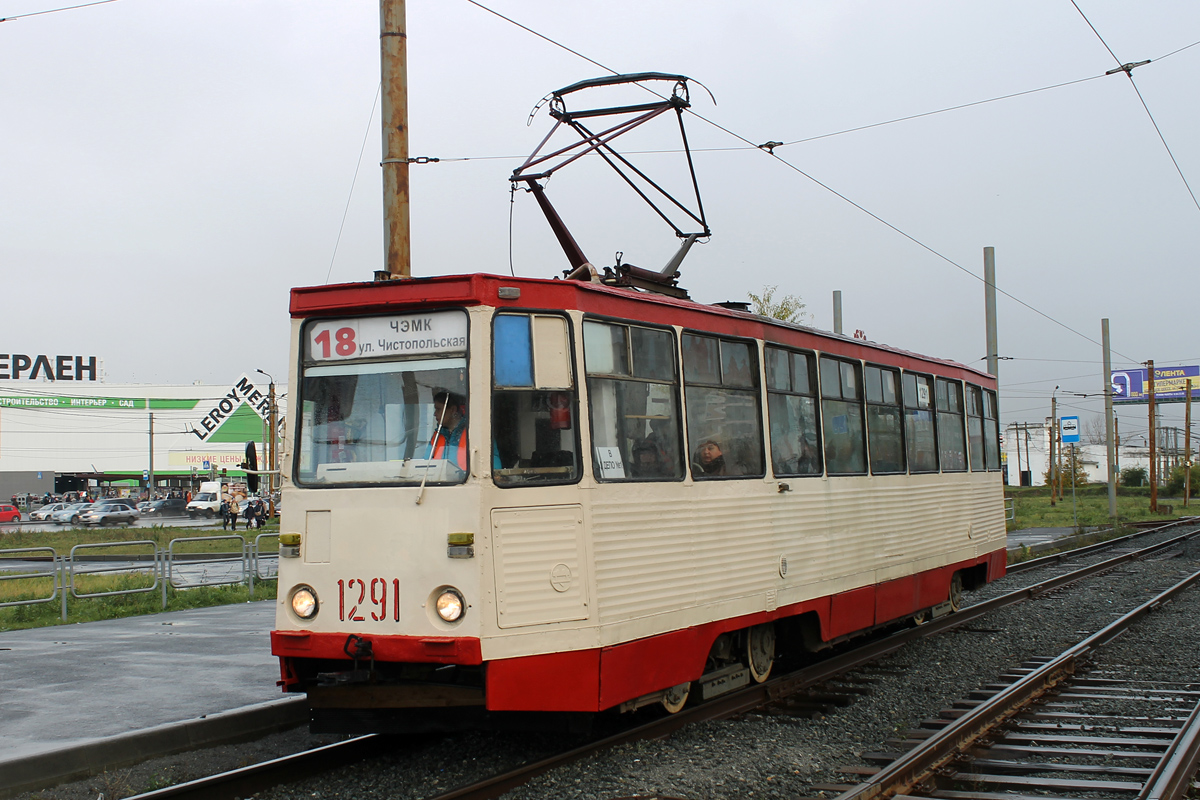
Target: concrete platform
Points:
(1035, 537)
(68, 686)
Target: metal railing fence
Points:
(164, 566)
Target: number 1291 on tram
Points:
(511, 495)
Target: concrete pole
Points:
(393, 49)
(272, 480)
(837, 311)
(1187, 445)
(150, 483)
(1053, 431)
(1153, 454)
(989, 302)
(1109, 433)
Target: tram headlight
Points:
(450, 605)
(304, 602)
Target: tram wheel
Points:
(956, 588)
(675, 698)
(760, 651)
(921, 617)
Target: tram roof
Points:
(416, 294)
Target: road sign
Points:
(207, 464)
(145, 474)
(1069, 426)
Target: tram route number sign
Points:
(1069, 428)
(388, 337)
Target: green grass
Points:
(90, 609)
(63, 539)
(1033, 509)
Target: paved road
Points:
(71, 684)
(164, 522)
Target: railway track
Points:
(1056, 728)
(1074, 554)
(249, 780)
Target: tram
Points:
(512, 495)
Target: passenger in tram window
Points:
(664, 438)
(450, 415)
(648, 461)
(710, 459)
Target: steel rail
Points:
(245, 781)
(906, 774)
(1066, 555)
(257, 777)
(1173, 774)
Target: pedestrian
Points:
(249, 514)
(233, 513)
(224, 515)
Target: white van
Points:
(207, 501)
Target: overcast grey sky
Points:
(171, 169)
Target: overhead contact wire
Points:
(824, 186)
(55, 10)
(354, 181)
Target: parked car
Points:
(109, 513)
(119, 501)
(9, 513)
(46, 511)
(171, 507)
(71, 515)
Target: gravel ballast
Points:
(760, 755)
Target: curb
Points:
(43, 770)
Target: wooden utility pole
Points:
(1109, 438)
(989, 309)
(1153, 453)
(393, 50)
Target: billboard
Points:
(1170, 384)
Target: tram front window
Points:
(388, 422)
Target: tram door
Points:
(539, 561)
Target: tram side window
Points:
(842, 417)
(919, 433)
(950, 426)
(884, 427)
(534, 402)
(633, 390)
(792, 408)
(991, 430)
(724, 421)
(975, 435)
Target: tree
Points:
(1071, 465)
(1094, 430)
(789, 309)
(1178, 477)
(1134, 476)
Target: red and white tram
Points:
(525, 495)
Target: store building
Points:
(88, 435)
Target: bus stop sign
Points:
(1069, 428)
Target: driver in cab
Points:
(450, 416)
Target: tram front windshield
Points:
(399, 422)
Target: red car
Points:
(9, 513)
